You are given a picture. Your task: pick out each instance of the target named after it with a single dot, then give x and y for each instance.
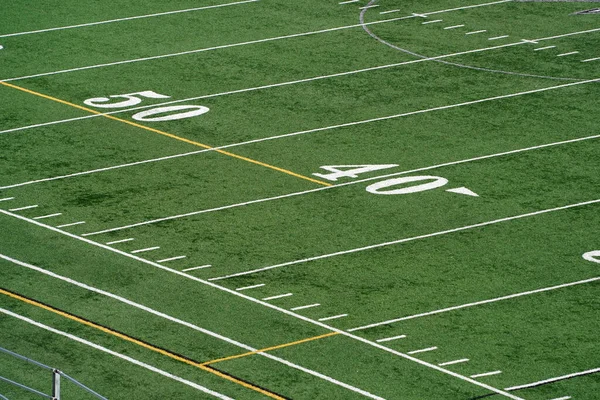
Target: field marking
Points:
(435, 21)
(499, 37)
(195, 268)
(333, 317)
(171, 259)
(268, 305)
(477, 303)
(551, 380)
(7, 199)
(249, 287)
(390, 338)
(305, 307)
(367, 7)
(97, 170)
(125, 19)
(423, 350)
(486, 374)
(48, 216)
(279, 296)
(281, 346)
(348, 2)
(144, 249)
(140, 343)
(71, 224)
(591, 59)
(544, 48)
(295, 35)
(405, 240)
(120, 241)
(462, 360)
(567, 54)
(562, 398)
(510, 152)
(163, 133)
(454, 26)
(24, 208)
(181, 322)
(114, 353)
(476, 32)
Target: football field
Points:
(316, 199)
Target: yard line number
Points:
(394, 186)
(158, 114)
(593, 256)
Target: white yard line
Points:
(333, 317)
(279, 296)
(423, 350)
(305, 307)
(295, 35)
(120, 241)
(486, 374)
(462, 360)
(477, 303)
(195, 268)
(454, 26)
(406, 240)
(498, 37)
(567, 54)
(435, 21)
(24, 208)
(182, 322)
(7, 199)
(125, 19)
(71, 224)
(476, 32)
(143, 250)
(544, 48)
(591, 59)
(114, 353)
(271, 306)
(249, 287)
(48, 216)
(348, 2)
(559, 378)
(390, 338)
(562, 398)
(171, 259)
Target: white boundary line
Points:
(268, 305)
(124, 19)
(114, 353)
(559, 378)
(295, 35)
(405, 240)
(182, 322)
(477, 303)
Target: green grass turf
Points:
(530, 338)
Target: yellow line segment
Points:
(170, 135)
(281, 346)
(141, 343)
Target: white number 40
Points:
(171, 113)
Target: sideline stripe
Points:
(410, 239)
(281, 346)
(163, 133)
(118, 355)
(281, 310)
(551, 380)
(179, 321)
(125, 19)
(477, 303)
(140, 343)
(295, 35)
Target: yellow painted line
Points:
(281, 346)
(170, 135)
(142, 344)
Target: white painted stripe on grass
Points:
(295, 35)
(558, 378)
(454, 26)
(171, 259)
(435, 21)
(279, 296)
(240, 289)
(367, 7)
(477, 303)
(405, 240)
(120, 241)
(591, 59)
(333, 317)
(423, 350)
(114, 353)
(462, 360)
(48, 216)
(178, 216)
(170, 318)
(498, 37)
(476, 32)
(24, 208)
(389, 12)
(544, 48)
(144, 250)
(348, 2)
(71, 224)
(305, 307)
(567, 54)
(486, 374)
(7, 199)
(562, 398)
(195, 268)
(281, 310)
(124, 19)
(389, 339)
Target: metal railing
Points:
(56, 379)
